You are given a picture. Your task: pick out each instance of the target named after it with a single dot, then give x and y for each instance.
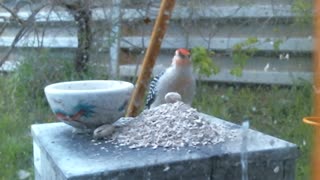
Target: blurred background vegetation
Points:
(273, 109)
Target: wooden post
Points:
(316, 79)
(149, 60)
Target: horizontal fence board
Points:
(248, 76)
(220, 11)
(257, 70)
(299, 44)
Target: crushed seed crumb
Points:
(171, 125)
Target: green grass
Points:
(22, 103)
(15, 146)
(271, 109)
(274, 110)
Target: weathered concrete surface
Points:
(60, 154)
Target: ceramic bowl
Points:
(90, 103)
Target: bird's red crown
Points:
(184, 52)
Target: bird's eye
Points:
(183, 56)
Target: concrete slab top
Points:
(76, 154)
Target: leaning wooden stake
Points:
(316, 76)
(149, 60)
(315, 120)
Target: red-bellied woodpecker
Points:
(177, 78)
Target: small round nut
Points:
(172, 97)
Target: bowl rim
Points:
(51, 88)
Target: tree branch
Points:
(24, 29)
(13, 13)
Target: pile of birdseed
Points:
(170, 126)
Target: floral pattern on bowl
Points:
(89, 104)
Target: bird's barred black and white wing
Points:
(152, 94)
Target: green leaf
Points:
(303, 12)
(276, 44)
(202, 61)
(241, 53)
(236, 71)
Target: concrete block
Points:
(60, 154)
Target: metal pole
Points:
(115, 35)
(158, 33)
